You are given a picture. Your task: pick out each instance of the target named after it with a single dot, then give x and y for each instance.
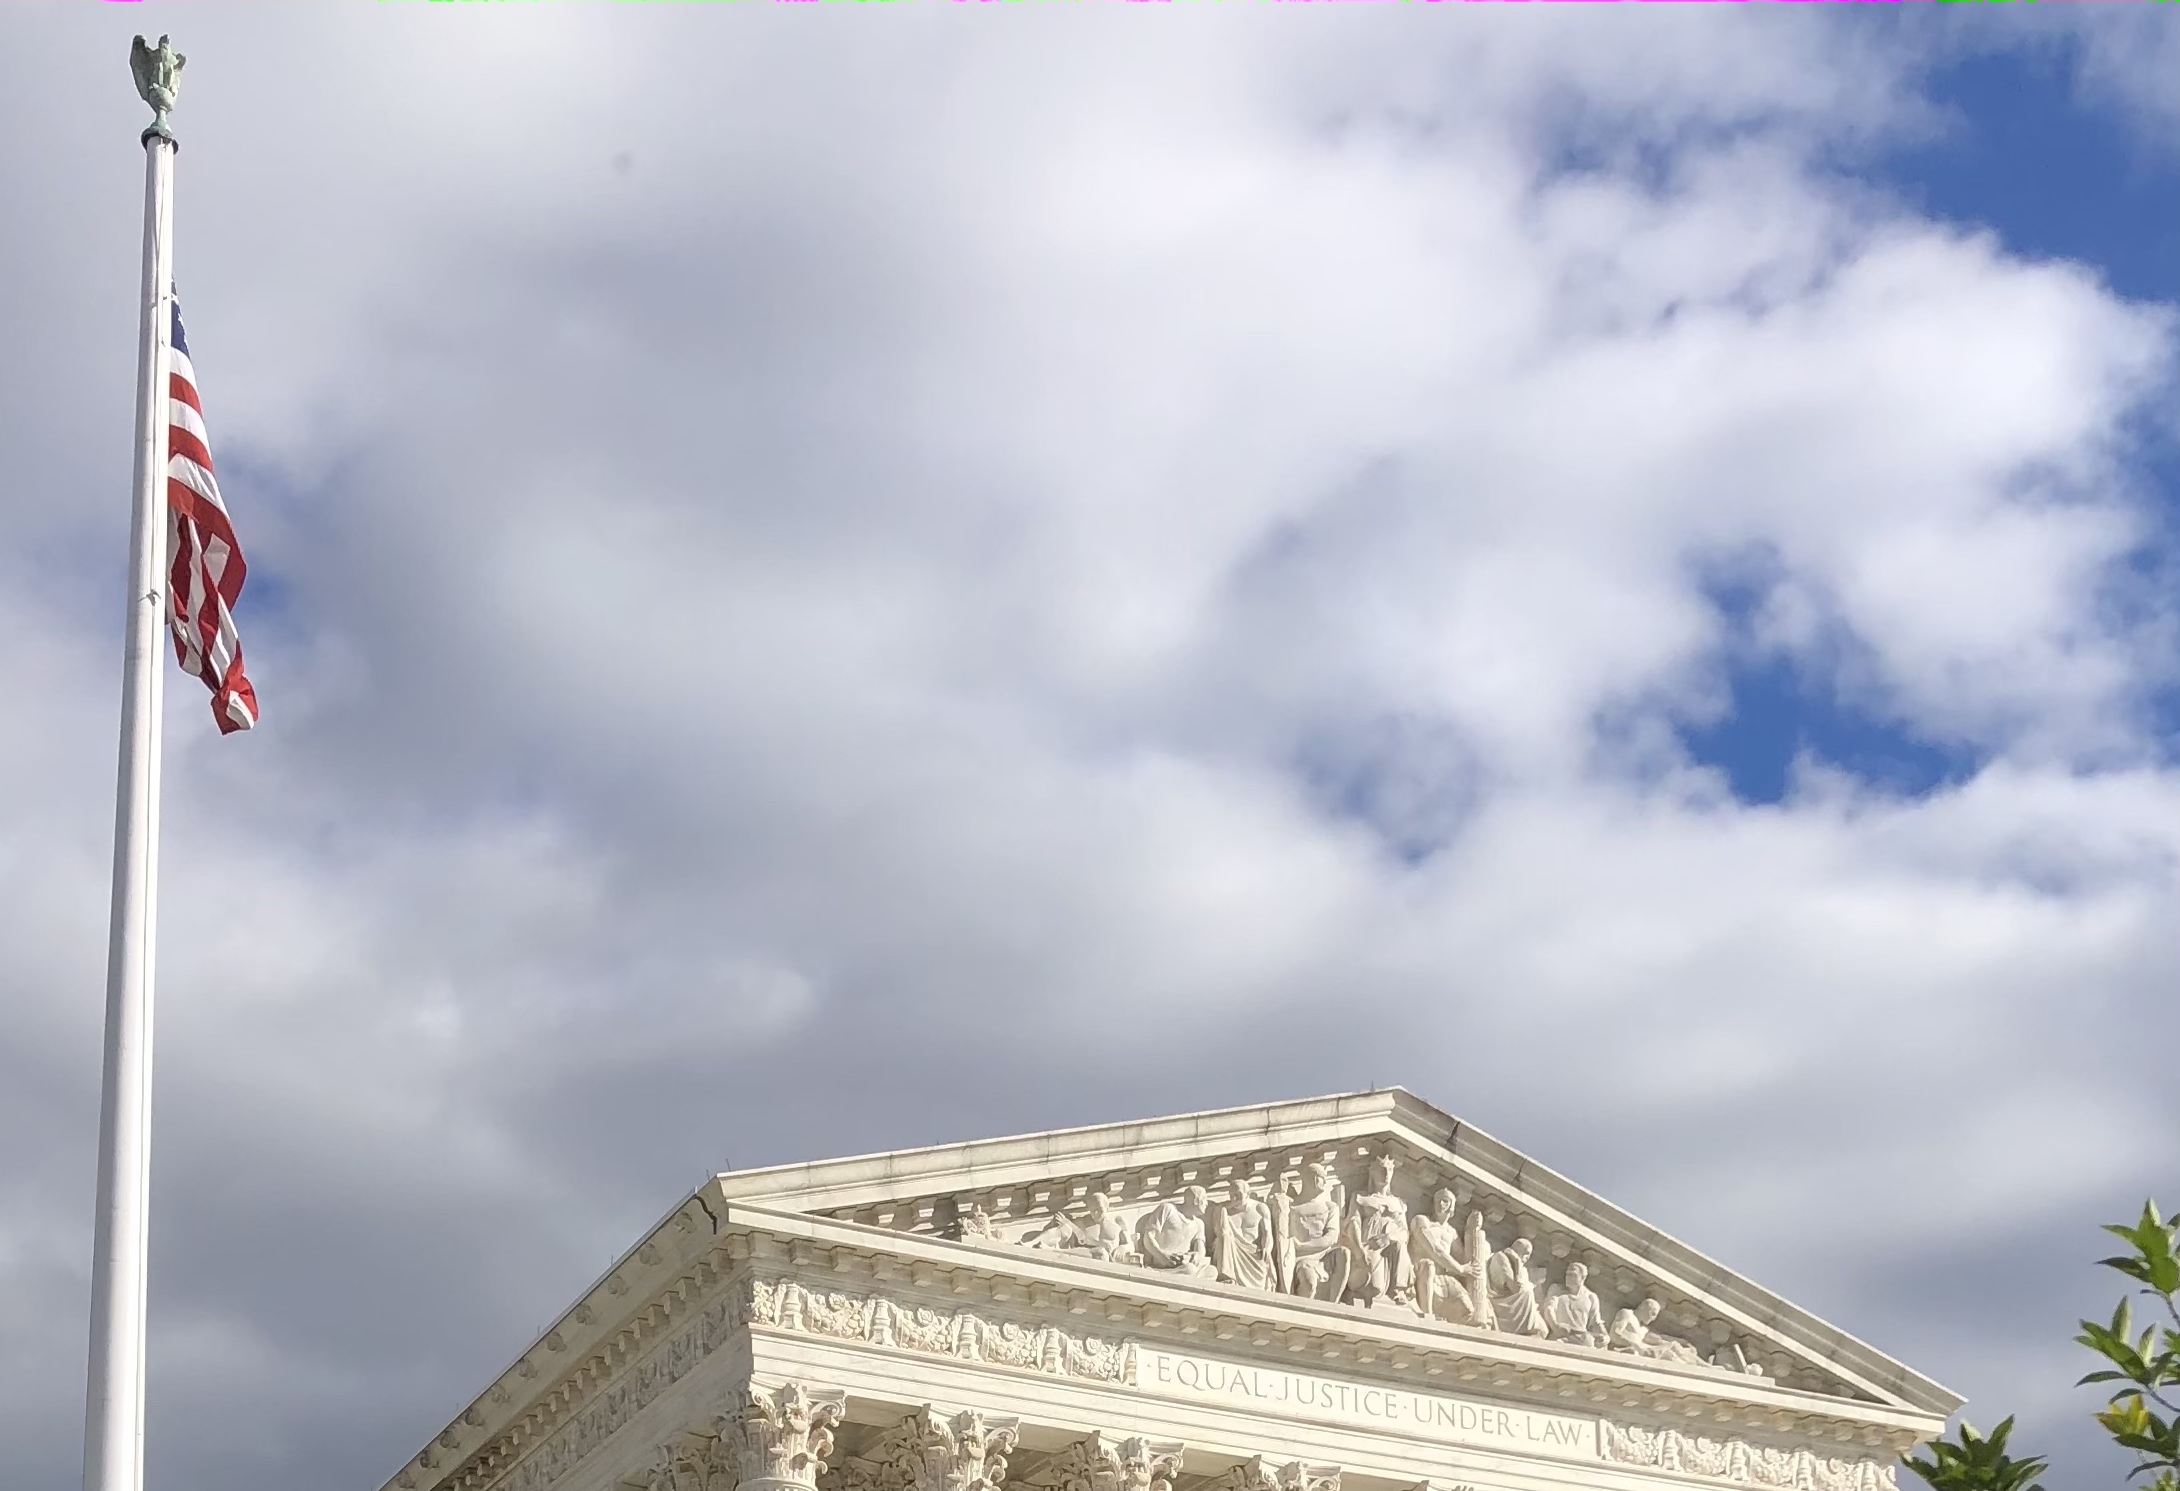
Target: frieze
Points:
(1739, 1462)
(961, 1334)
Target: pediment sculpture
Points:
(1315, 1239)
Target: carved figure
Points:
(1312, 1260)
(1731, 1358)
(1449, 1272)
(1513, 1292)
(1170, 1235)
(158, 73)
(971, 1225)
(1572, 1310)
(1377, 1237)
(1241, 1239)
(1631, 1333)
(1104, 1236)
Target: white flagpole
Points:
(113, 1449)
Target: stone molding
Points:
(879, 1317)
(787, 1304)
(1738, 1462)
(877, 1320)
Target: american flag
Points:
(207, 563)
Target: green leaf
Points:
(2156, 1257)
(1975, 1463)
(2117, 1343)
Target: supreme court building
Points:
(1355, 1293)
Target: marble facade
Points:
(1345, 1294)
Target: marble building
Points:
(1355, 1293)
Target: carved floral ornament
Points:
(776, 1441)
(1260, 1474)
(1101, 1463)
(929, 1451)
(1308, 1236)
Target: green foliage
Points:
(1974, 1463)
(2141, 1414)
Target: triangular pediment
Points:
(1319, 1200)
(1317, 1254)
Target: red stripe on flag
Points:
(199, 602)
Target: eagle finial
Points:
(158, 73)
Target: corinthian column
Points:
(780, 1439)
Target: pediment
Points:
(1319, 1201)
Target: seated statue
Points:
(1170, 1236)
(1572, 1310)
(1449, 1269)
(1313, 1262)
(1513, 1292)
(1104, 1236)
(1631, 1332)
(1377, 1237)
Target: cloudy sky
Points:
(828, 578)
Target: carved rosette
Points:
(780, 1440)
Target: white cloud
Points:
(818, 560)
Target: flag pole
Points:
(113, 1449)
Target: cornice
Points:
(829, 1185)
(1122, 1300)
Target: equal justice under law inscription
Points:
(1203, 1379)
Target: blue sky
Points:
(808, 558)
(2022, 148)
